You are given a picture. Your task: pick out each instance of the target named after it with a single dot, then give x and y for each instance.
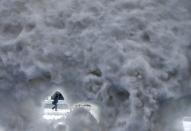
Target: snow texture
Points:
(126, 56)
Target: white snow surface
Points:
(141, 47)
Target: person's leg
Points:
(56, 107)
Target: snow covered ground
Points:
(130, 57)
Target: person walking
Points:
(55, 101)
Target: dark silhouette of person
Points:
(57, 96)
(55, 102)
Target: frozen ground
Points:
(130, 57)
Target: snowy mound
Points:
(64, 110)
